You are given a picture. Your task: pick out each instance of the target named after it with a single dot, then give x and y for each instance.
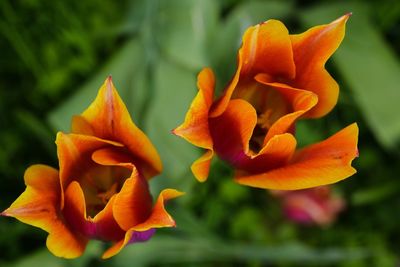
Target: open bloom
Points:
(101, 190)
(311, 206)
(279, 79)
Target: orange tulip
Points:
(279, 79)
(311, 206)
(101, 190)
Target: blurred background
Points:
(56, 54)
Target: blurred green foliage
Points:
(55, 55)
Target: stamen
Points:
(105, 196)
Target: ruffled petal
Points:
(201, 167)
(276, 153)
(113, 156)
(195, 128)
(103, 226)
(301, 102)
(110, 119)
(39, 205)
(133, 203)
(323, 163)
(72, 151)
(159, 218)
(232, 131)
(266, 49)
(311, 50)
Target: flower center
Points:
(100, 183)
(269, 104)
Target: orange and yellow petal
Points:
(113, 156)
(195, 128)
(201, 167)
(276, 153)
(40, 205)
(133, 203)
(159, 218)
(110, 119)
(311, 50)
(323, 163)
(301, 101)
(80, 125)
(266, 48)
(72, 151)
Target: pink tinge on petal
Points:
(142, 236)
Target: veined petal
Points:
(40, 205)
(110, 120)
(311, 50)
(323, 163)
(266, 49)
(80, 125)
(159, 218)
(133, 203)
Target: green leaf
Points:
(368, 65)
(176, 250)
(125, 68)
(377, 193)
(175, 87)
(46, 259)
(184, 27)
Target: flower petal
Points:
(201, 167)
(39, 206)
(276, 153)
(266, 49)
(195, 128)
(300, 100)
(80, 125)
(110, 120)
(72, 150)
(232, 130)
(113, 156)
(133, 203)
(311, 50)
(323, 163)
(103, 226)
(158, 218)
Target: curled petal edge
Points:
(159, 218)
(319, 164)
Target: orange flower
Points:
(101, 191)
(311, 206)
(279, 79)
